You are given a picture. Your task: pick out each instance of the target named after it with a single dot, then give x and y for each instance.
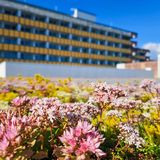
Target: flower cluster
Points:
(48, 119)
(130, 135)
(46, 109)
(81, 140)
(20, 101)
(104, 93)
(76, 111)
(52, 109)
(114, 113)
(148, 85)
(11, 133)
(125, 103)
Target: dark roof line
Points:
(50, 10)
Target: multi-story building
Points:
(139, 55)
(34, 34)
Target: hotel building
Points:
(33, 34)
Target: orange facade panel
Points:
(61, 41)
(60, 28)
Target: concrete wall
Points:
(62, 71)
(158, 66)
(3, 69)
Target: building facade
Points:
(147, 65)
(32, 34)
(140, 55)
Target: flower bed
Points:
(46, 119)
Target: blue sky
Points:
(141, 16)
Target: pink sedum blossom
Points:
(82, 140)
(105, 93)
(4, 143)
(20, 101)
(11, 129)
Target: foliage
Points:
(48, 119)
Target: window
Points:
(117, 45)
(85, 28)
(110, 44)
(65, 47)
(64, 23)
(126, 38)
(111, 34)
(40, 57)
(64, 35)
(26, 56)
(1, 10)
(10, 26)
(75, 60)
(40, 18)
(102, 32)
(110, 53)
(40, 44)
(75, 49)
(94, 51)
(54, 33)
(54, 21)
(102, 52)
(53, 58)
(85, 50)
(102, 62)
(26, 42)
(117, 54)
(76, 38)
(117, 35)
(76, 26)
(8, 40)
(125, 55)
(1, 24)
(53, 46)
(95, 41)
(85, 39)
(40, 31)
(94, 61)
(94, 30)
(26, 15)
(64, 59)
(26, 29)
(9, 55)
(110, 63)
(102, 42)
(10, 11)
(126, 46)
(85, 61)
(2, 54)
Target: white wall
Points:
(121, 66)
(3, 69)
(84, 15)
(55, 70)
(158, 69)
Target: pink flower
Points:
(20, 101)
(81, 141)
(11, 129)
(83, 127)
(4, 144)
(84, 147)
(68, 138)
(11, 132)
(1, 130)
(105, 93)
